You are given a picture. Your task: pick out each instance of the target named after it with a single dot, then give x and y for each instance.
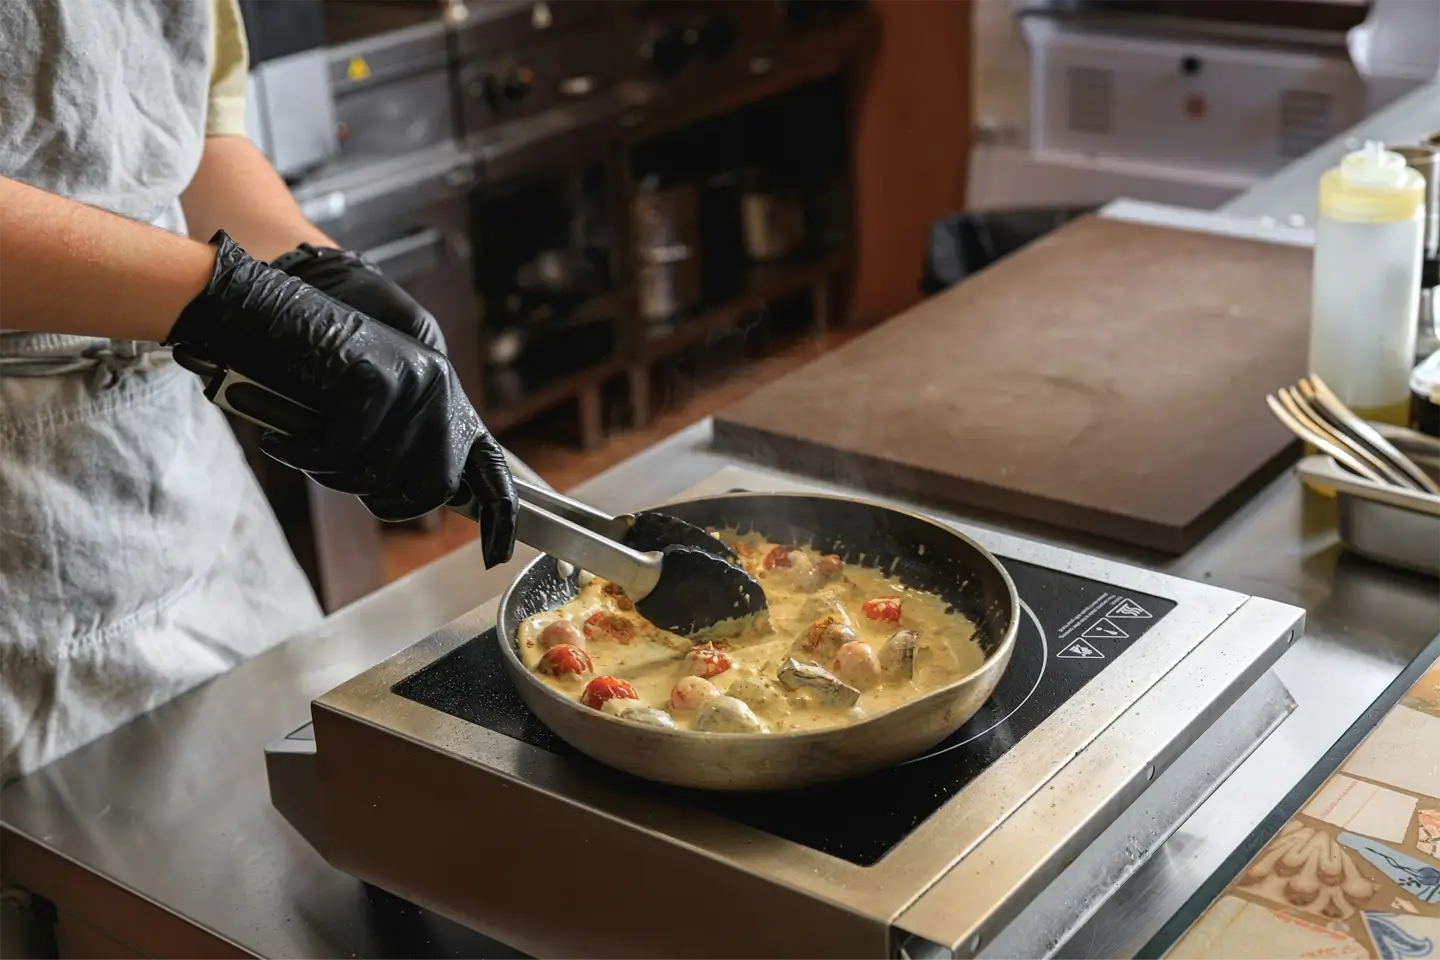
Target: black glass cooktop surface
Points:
(1072, 629)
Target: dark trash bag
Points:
(963, 244)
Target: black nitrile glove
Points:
(356, 282)
(399, 431)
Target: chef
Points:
(138, 556)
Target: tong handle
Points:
(580, 514)
(636, 572)
(564, 528)
(264, 407)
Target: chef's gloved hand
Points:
(398, 430)
(358, 283)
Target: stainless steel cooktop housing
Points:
(528, 848)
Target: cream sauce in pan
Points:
(876, 643)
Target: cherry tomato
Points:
(604, 625)
(778, 557)
(566, 659)
(882, 608)
(707, 662)
(561, 632)
(830, 564)
(602, 689)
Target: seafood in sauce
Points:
(840, 642)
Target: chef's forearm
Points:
(70, 268)
(236, 190)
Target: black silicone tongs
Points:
(681, 578)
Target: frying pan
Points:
(920, 553)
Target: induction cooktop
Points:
(427, 776)
(1073, 629)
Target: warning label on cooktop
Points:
(1080, 650)
(1104, 618)
(1130, 610)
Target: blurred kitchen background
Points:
(627, 214)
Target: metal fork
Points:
(1301, 407)
(1312, 412)
(1343, 419)
(1323, 440)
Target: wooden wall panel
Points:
(912, 136)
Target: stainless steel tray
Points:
(1385, 524)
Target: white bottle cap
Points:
(1374, 167)
(1372, 185)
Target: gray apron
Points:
(138, 555)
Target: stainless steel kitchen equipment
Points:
(921, 553)
(526, 64)
(1178, 101)
(1379, 521)
(665, 226)
(774, 222)
(290, 108)
(683, 42)
(665, 216)
(668, 284)
(392, 90)
(1116, 672)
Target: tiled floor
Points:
(1356, 872)
(563, 465)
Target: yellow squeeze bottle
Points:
(1367, 281)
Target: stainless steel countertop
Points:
(1290, 195)
(174, 807)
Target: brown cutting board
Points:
(1109, 378)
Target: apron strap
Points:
(114, 357)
